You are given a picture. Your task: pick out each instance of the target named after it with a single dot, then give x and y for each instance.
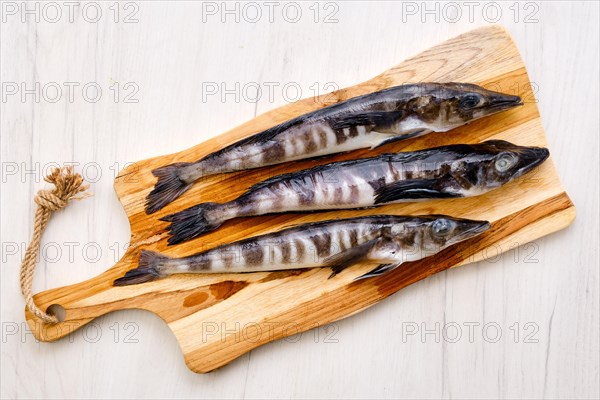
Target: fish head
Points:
(450, 105)
(500, 162)
(441, 231)
(421, 236)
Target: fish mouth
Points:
(531, 158)
(475, 228)
(504, 102)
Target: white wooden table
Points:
(147, 78)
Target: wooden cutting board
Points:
(217, 318)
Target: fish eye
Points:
(469, 101)
(505, 162)
(441, 227)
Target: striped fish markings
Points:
(385, 240)
(441, 172)
(370, 120)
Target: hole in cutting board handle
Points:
(58, 311)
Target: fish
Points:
(461, 170)
(366, 121)
(384, 240)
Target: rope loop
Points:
(67, 186)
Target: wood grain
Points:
(260, 307)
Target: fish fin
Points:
(498, 143)
(146, 270)
(381, 119)
(397, 138)
(340, 261)
(168, 187)
(380, 270)
(411, 190)
(191, 222)
(323, 169)
(269, 134)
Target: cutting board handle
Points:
(78, 304)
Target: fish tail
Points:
(169, 186)
(193, 222)
(146, 271)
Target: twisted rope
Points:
(67, 185)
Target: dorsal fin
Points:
(310, 171)
(263, 136)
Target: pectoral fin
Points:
(381, 120)
(399, 137)
(380, 270)
(411, 190)
(340, 261)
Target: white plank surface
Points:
(547, 291)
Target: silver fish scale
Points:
(293, 249)
(305, 141)
(352, 185)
